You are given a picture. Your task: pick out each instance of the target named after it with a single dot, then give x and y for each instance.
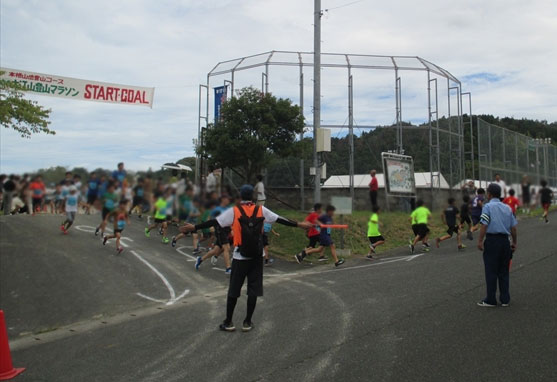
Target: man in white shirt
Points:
(501, 184)
(260, 191)
(244, 266)
(211, 182)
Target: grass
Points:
(395, 227)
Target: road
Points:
(75, 311)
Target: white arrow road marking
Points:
(173, 297)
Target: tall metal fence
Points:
(513, 155)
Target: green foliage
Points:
(24, 116)
(253, 127)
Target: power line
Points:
(344, 5)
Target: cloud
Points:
(500, 50)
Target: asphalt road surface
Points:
(77, 311)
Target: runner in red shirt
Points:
(38, 191)
(373, 187)
(313, 232)
(512, 201)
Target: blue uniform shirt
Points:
(498, 217)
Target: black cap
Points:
(246, 192)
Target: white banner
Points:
(73, 88)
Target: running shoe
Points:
(412, 248)
(147, 233)
(299, 258)
(369, 257)
(227, 327)
(228, 271)
(484, 304)
(322, 258)
(214, 260)
(339, 262)
(148, 220)
(165, 240)
(105, 239)
(196, 251)
(372, 248)
(62, 227)
(173, 241)
(65, 231)
(425, 248)
(269, 262)
(160, 231)
(198, 262)
(120, 250)
(461, 247)
(437, 241)
(469, 235)
(247, 326)
(505, 305)
(97, 231)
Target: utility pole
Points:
(316, 95)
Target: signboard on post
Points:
(84, 90)
(399, 175)
(220, 97)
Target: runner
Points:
(160, 216)
(449, 217)
(324, 238)
(465, 215)
(421, 217)
(512, 201)
(373, 234)
(267, 229)
(121, 218)
(189, 213)
(313, 232)
(71, 203)
(119, 175)
(546, 195)
(109, 201)
(246, 220)
(38, 191)
(92, 192)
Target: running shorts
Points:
(253, 270)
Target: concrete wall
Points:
(292, 197)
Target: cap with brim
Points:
(246, 192)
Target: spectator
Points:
(498, 181)
(260, 191)
(211, 182)
(469, 188)
(525, 185)
(38, 191)
(373, 187)
(9, 187)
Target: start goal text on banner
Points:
(73, 88)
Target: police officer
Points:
(497, 223)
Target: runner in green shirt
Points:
(420, 218)
(160, 216)
(109, 203)
(373, 234)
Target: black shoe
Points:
(105, 239)
(369, 257)
(340, 262)
(227, 327)
(247, 326)
(173, 241)
(322, 258)
(97, 232)
(299, 258)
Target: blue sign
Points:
(220, 97)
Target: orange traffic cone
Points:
(7, 370)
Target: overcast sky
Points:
(503, 51)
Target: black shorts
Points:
(375, 239)
(475, 219)
(158, 221)
(253, 270)
(118, 230)
(222, 236)
(422, 230)
(415, 229)
(313, 240)
(137, 201)
(452, 229)
(37, 202)
(105, 212)
(91, 199)
(265, 239)
(465, 219)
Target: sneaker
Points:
(372, 248)
(299, 258)
(461, 247)
(196, 251)
(437, 241)
(105, 239)
(173, 242)
(65, 231)
(148, 220)
(412, 248)
(505, 305)
(228, 271)
(62, 227)
(322, 258)
(469, 235)
(425, 248)
(97, 231)
(165, 240)
(227, 327)
(160, 231)
(198, 262)
(120, 250)
(269, 262)
(147, 233)
(369, 257)
(339, 262)
(214, 260)
(484, 304)
(247, 326)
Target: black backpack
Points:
(252, 233)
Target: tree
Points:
(24, 116)
(252, 128)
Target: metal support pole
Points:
(489, 152)
(516, 157)
(351, 133)
(537, 160)
(504, 176)
(266, 78)
(302, 190)
(451, 184)
(430, 135)
(199, 142)
(398, 98)
(316, 95)
(263, 82)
